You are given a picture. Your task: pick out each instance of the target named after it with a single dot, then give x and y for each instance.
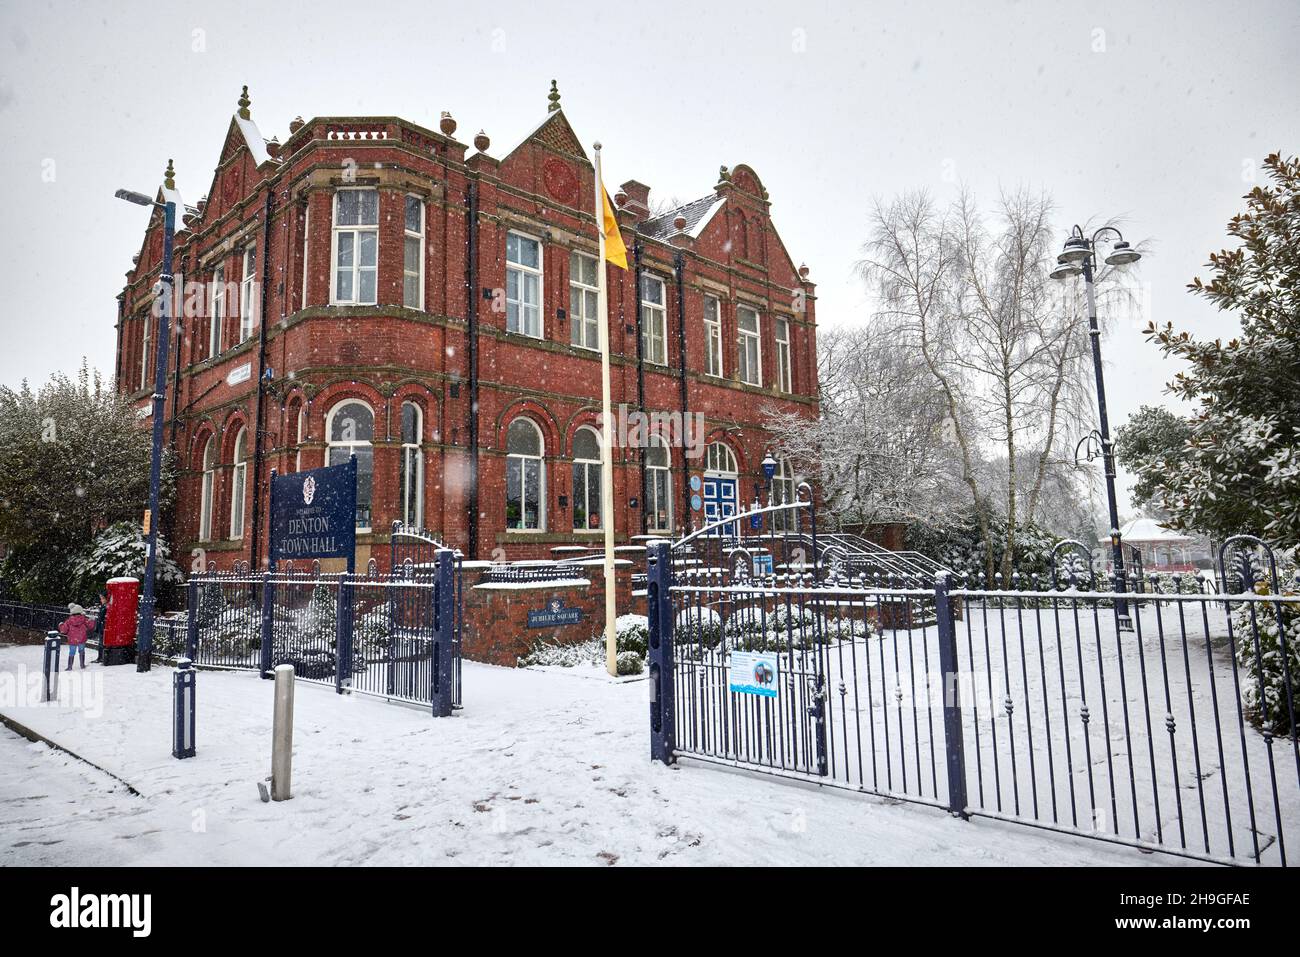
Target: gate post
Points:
(191, 625)
(659, 577)
(268, 624)
(444, 631)
(343, 634)
(951, 701)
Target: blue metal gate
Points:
(1023, 701)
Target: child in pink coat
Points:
(76, 627)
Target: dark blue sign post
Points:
(314, 515)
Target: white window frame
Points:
(523, 458)
(332, 443)
(238, 484)
(144, 351)
(720, 460)
(525, 271)
(745, 339)
(417, 236)
(784, 372)
(218, 310)
(300, 429)
(654, 321)
(589, 467)
(306, 249)
(652, 490)
(581, 324)
(412, 467)
(207, 489)
(247, 284)
(357, 269)
(713, 364)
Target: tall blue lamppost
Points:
(1078, 258)
(163, 290)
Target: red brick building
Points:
(375, 287)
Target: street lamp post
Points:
(164, 291)
(1078, 258)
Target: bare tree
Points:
(879, 451)
(1006, 349)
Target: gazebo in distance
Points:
(1165, 549)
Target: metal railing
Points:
(394, 636)
(1027, 705)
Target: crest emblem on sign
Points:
(308, 490)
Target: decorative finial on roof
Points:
(724, 174)
(554, 97)
(244, 104)
(169, 177)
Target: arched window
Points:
(659, 500)
(351, 429)
(525, 477)
(239, 484)
(720, 458)
(411, 477)
(586, 480)
(209, 485)
(300, 433)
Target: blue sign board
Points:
(555, 613)
(313, 513)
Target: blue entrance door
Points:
(719, 502)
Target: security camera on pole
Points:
(163, 290)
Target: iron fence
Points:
(392, 635)
(1028, 704)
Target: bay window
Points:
(356, 246)
(413, 255)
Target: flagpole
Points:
(607, 430)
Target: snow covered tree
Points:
(118, 551)
(1238, 469)
(879, 451)
(75, 462)
(1007, 352)
(1147, 446)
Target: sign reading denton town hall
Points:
(313, 513)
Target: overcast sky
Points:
(1157, 113)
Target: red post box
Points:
(119, 621)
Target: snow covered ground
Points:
(541, 767)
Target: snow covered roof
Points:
(1149, 530)
(253, 137)
(697, 214)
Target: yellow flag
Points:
(615, 251)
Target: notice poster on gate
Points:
(313, 513)
(752, 672)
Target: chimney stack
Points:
(638, 199)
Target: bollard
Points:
(282, 734)
(183, 709)
(50, 667)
